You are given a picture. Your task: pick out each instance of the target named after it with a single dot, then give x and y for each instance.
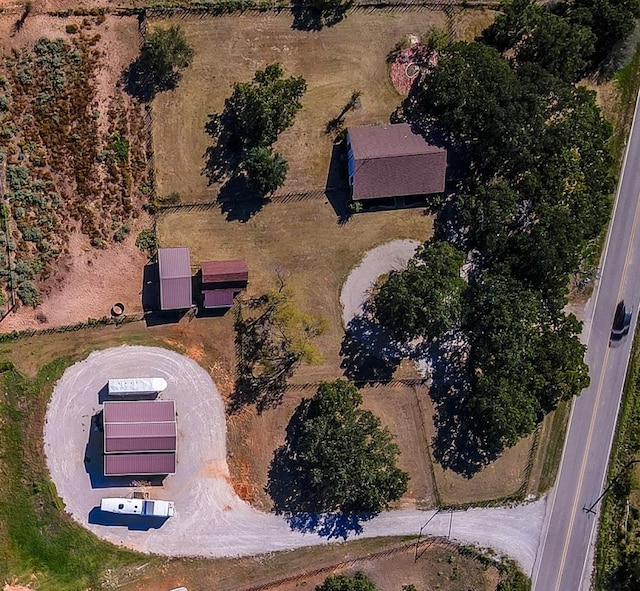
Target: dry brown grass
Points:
(334, 61)
(305, 242)
(439, 566)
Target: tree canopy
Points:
(260, 110)
(359, 582)
(529, 213)
(424, 299)
(164, 53)
(266, 170)
(336, 457)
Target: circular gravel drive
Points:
(209, 519)
(390, 256)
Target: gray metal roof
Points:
(392, 161)
(174, 266)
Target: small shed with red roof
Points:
(222, 281)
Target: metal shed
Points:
(174, 267)
(232, 271)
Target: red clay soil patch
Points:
(408, 65)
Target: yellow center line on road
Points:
(576, 498)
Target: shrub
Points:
(72, 28)
(122, 233)
(146, 240)
(29, 294)
(17, 176)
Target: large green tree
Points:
(266, 169)
(532, 34)
(424, 299)
(165, 52)
(524, 359)
(260, 110)
(359, 582)
(337, 457)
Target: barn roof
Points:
(142, 464)
(393, 161)
(139, 411)
(137, 429)
(224, 271)
(138, 437)
(174, 266)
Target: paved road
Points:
(564, 561)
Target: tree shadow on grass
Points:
(456, 445)
(307, 17)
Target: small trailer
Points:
(136, 386)
(144, 507)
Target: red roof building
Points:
(391, 161)
(225, 271)
(222, 281)
(174, 266)
(145, 431)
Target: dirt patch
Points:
(335, 62)
(389, 562)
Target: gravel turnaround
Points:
(210, 520)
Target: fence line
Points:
(346, 564)
(89, 323)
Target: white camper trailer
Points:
(144, 507)
(136, 386)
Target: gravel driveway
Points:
(210, 520)
(390, 256)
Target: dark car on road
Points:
(621, 321)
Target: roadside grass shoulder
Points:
(619, 531)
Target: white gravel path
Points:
(210, 520)
(390, 256)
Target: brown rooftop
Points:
(225, 271)
(139, 464)
(392, 161)
(140, 429)
(151, 411)
(139, 437)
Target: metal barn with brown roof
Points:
(174, 266)
(391, 161)
(143, 430)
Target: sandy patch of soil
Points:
(89, 282)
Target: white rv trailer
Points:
(144, 507)
(132, 386)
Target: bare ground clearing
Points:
(304, 241)
(335, 62)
